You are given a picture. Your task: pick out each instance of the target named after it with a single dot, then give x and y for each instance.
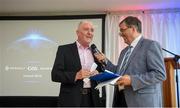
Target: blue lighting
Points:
(34, 37)
(35, 40)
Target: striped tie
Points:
(125, 61)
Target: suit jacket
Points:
(66, 65)
(147, 71)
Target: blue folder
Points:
(104, 76)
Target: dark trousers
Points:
(119, 98)
(86, 100)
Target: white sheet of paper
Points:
(109, 82)
(93, 68)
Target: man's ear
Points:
(134, 28)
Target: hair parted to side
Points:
(132, 21)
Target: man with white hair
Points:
(72, 65)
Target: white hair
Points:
(83, 22)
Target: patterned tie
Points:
(125, 61)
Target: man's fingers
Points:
(99, 56)
(120, 82)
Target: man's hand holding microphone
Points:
(98, 55)
(124, 80)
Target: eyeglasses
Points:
(123, 30)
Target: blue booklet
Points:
(104, 76)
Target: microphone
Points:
(176, 57)
(96, 51)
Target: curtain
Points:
(160, 25)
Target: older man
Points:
(71, 68)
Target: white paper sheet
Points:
(109, 82)
(93, 68)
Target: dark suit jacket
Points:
(67, 64)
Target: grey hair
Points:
(82, 22)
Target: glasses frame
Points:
(123, 30)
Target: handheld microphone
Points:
(96, 51)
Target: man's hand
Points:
(85, 74)
(94, 73)
(124, 81)
(100, 57)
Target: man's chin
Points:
(126, 42)
(89, 41)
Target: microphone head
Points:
(93, 46)
(94, 49)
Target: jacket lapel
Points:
(120, 59)
(135, 51)
(75, 55)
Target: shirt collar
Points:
(80, 46)
(136, 40)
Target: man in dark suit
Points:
(141, 66)
(72, 69)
